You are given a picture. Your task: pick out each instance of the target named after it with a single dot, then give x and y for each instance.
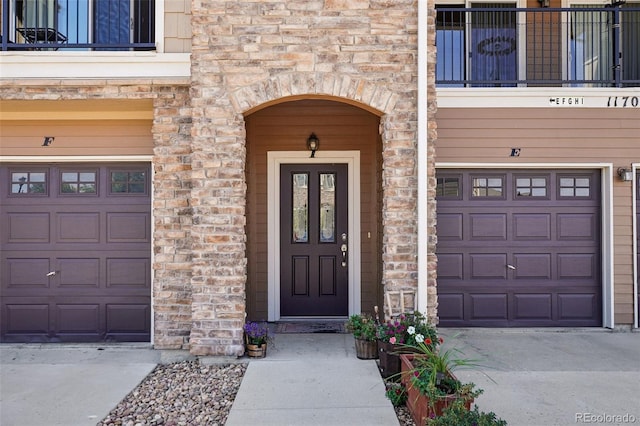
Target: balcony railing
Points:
(105, 25)
(528, 47)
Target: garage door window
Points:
(128, 182)
(531, 187)
(77, 182)
(488, 187)
(448, 187)
(575, 187)
(29, 182)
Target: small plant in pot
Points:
(457, 414)
(365, 331)
(256, 335)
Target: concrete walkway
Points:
(312, 379)
(539, 378)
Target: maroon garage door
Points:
(519, 248)
(76, 245)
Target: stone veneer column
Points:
(245, 54)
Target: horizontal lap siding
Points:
(562, 135)
(84, 137)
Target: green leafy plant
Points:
(363, 326)
(396, 393)
(457, 415)
(408, 329)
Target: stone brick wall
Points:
(245, 54)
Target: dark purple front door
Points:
(313, 240)
(76, 252)
(519, 248)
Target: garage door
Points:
(519, 248)
(76, 245)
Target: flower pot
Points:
(389, 364)
(366, 349)
(256, 351)
(420, 406)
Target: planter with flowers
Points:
(428, 375)
(399, 335)
(365, 332)
(256, 337)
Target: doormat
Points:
(301, 327)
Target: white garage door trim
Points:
(607, 218)
(634, 212)
(100, 159)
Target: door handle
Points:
(51, 274)
(513, 268)
(343, 248)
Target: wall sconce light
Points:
(313, 143)
(626, 175)
(544, 3)
(48, 140)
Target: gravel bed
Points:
(184, 393)
(188, 393)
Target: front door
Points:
(314, 279)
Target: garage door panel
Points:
(532, 265)
(533, 307)
(527, 227)
(576, 226)
(526, 260)
(27, 227)
(78, 227)
(489, 265)
(451, 306)
(488, 307)
(128, 227)
(26, 318)
(128, 318)
(27, 272)
(450, 266)
(450, 226)
(78, 319)
(576, 265)
(78, 273)
(577, 306)
(133, 273)
(486, 226)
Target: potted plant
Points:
(457, 414)
(256, 335)
(400, 334)
(428, 375)
(365, 332)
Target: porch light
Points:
(313, 143)
(626, 175)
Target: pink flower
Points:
(392, 340)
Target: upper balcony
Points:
(78, 39)
(490, 45)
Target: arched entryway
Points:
(350, 152)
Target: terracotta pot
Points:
(366, 349)
(256, 351)
(419, 405)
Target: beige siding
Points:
(546, 135)
(177, 26)
(86, 137)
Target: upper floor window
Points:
(497, 44)
(79, 24)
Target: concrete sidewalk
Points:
(312, 379)
(540, 377)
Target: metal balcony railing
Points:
(545, 47)
(105, 25)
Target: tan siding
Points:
(177, 26)
(562, 135)
(286, 127)
(86, 137)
